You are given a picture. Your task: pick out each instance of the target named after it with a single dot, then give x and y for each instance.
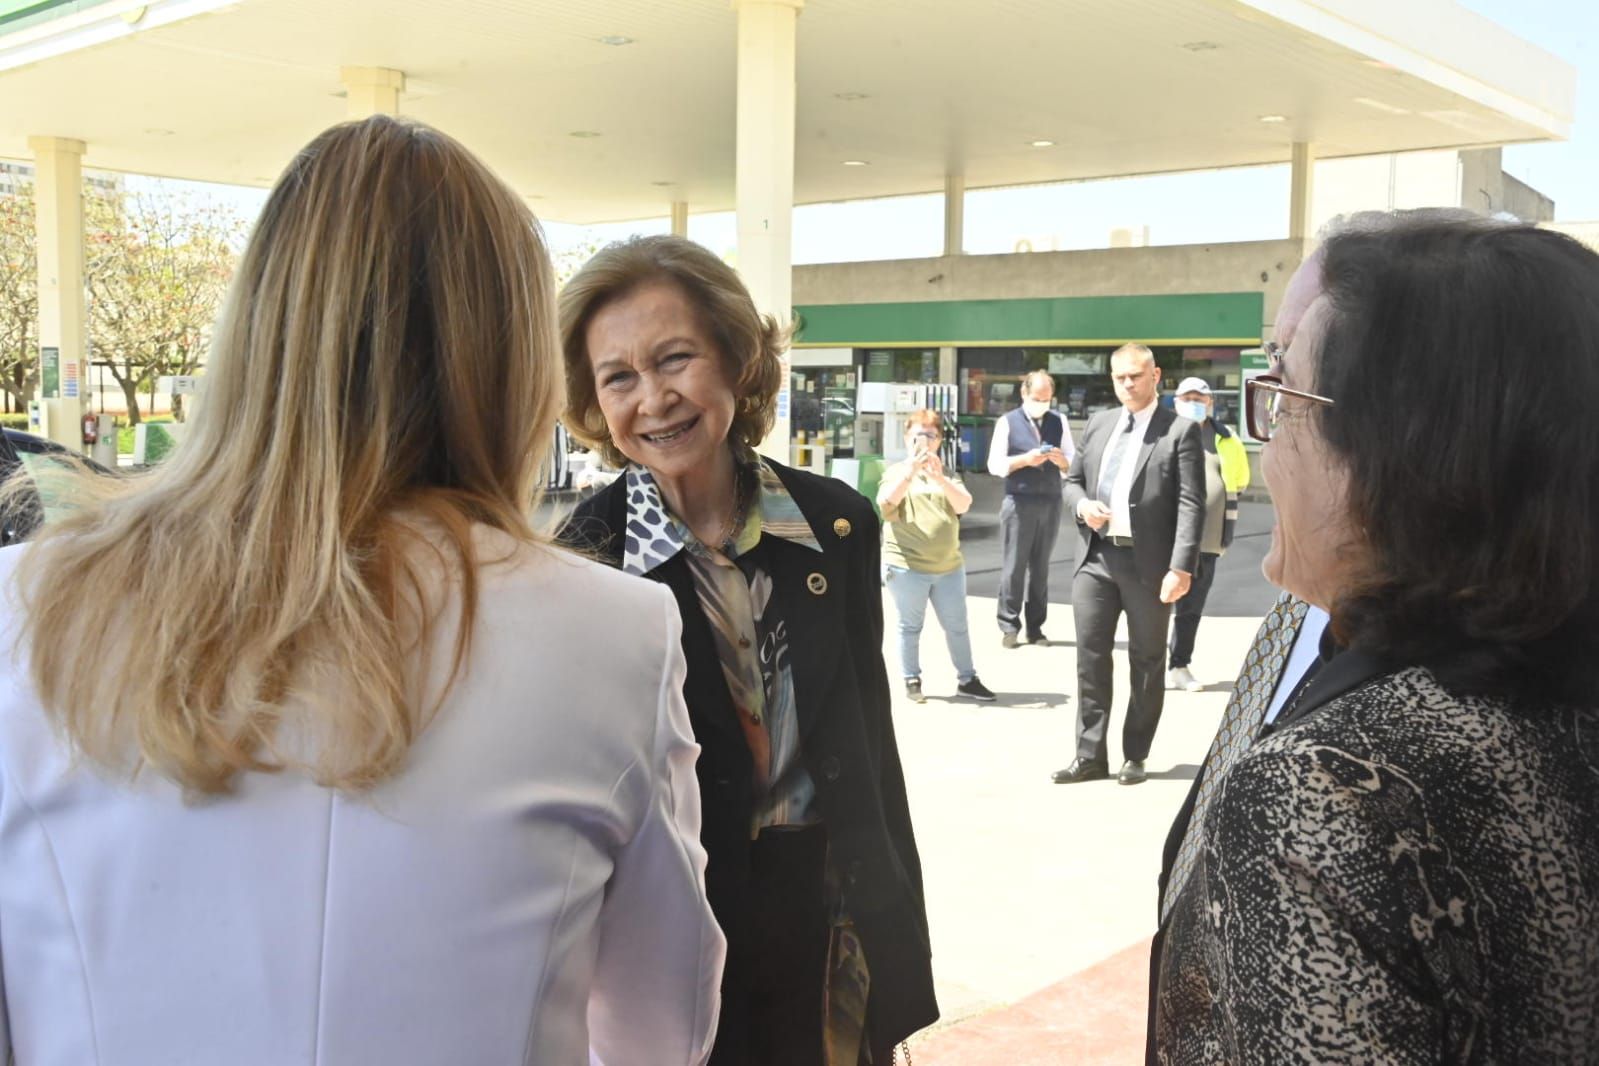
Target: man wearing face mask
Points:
(1031, 450)
(1226, 475)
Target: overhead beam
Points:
(1301, 193)
(764, 176)
(371, 91)
(63, 329)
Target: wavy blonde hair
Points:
(383, 377)
(750, 342)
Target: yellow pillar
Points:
(63, 329)
(954, 214)
(764, 182)
(1301, 191)
(679, 218)
(371, 91)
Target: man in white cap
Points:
(1226, 475)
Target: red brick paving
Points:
(1093, 1018)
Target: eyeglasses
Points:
(927, 434)
(1263, 399)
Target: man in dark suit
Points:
(1137, 489)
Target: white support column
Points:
(955, 214)
(764, 183)
(679, 218)
(1301, 191)
(63, 327)
(371, 91)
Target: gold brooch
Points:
(817, 584)
(841, 526)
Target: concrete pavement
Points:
(1041, 897)
(1031, 884)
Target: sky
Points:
(1241, 204)
(1569, 171)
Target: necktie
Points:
(1113, 462)
(1240, 725)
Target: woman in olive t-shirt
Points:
(922, 561)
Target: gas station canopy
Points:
(612, 109)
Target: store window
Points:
(990, 379)
(904, 365)
(823, 408)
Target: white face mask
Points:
(1194, 409)
(1035, 408)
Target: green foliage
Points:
(125, 435)
(19, 295)
(157, 268)
(158, 442)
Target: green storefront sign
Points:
(1193, 319)
(50, 373)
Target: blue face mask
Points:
(1194, 409)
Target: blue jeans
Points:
(911, 590)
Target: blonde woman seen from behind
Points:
(328, 769)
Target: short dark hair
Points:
(1463, 362)
(752, 343)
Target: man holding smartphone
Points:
(1032, 450)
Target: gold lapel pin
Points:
(817, 584)
(841, 527)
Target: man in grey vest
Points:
(1031, 450)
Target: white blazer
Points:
(528, 889)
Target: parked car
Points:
(40, 458)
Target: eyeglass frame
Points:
(1271, 383)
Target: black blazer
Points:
(847, 742)
(1168, 496)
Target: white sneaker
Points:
(1181, 678)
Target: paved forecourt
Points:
(1041, 897)
(1028, 882)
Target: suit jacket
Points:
(1168, 495)
(528, 886)
(1397, 873)
(847, 741)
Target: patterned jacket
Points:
(1396, 874)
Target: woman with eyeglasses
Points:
(921, 507)
(1404, 867)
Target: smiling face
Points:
(1314, 549)
(661, 381)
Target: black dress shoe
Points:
(1132, 773)
(1081, 770)
(1038, 639)
(1009, 641)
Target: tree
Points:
(568, 261)
(157, 269)
(19, 298)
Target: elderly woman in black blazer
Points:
(813, 871)
(1406, 868)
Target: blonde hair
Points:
(750, 342)
(382, 377)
